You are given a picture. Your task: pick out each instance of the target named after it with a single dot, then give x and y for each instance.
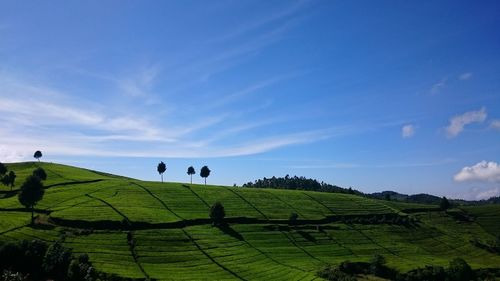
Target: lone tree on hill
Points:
(217, 214)
(38, 155)
(161, 169)
(40, 173)
(204, 173)
(30, 193)
(3, 169)
(444, 204)
(191, 172)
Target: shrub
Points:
(460, 270)
(292, 220)
(217, 213)
(40, 173)
(56, 260)
(335, 274)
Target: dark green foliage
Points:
(292, 220)
(31, 192)
(460, 270)
(217, 213)
(81, 269)
(8, 275)
(42, 262)
(12, 179)
(24, 256)
(40, 173)
(204, 173)
(38, 155)
(161, 168)
(335, 274)
(3, 169)
(444, 204)
(56, 260)
(191, 172)
(377, 266)
(300, 183)
(429, 273)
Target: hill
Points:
(173, 239)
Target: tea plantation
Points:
(162, 231)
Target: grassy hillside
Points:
(93, 212)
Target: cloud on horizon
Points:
(483, 171)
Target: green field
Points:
(92, 213)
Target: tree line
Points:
(301, 183)
(204, 171)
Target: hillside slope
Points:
(98, 214)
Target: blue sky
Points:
(377, 95)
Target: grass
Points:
(173, 240)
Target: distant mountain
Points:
(424, 198)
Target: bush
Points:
(40, 173)
(217, 213)
(56, 261)
(292, 220)
(335, 274)
(460, 270)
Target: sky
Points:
(374, 95)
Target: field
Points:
(98, 214)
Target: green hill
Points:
(94, 212)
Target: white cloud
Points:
(485, 194)
(482, 171)
(479, 193)
(495, 124)
(407, 131)
(458, 122)
(465, 76)
(436, 88)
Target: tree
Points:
(292, 220)
(204, 173)
(191, 172)
(38, 155)
(9, 179)
(3, 169)
(444, 204)
(30, 193)
(217, 213)
(161, 169)
(40, 173)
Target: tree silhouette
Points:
(3, 169)
(191, 172)
(38, 155)
(40, 173)
(30, 193)
(217, 214)
(444, 204)
(204, 173)
(161, 169)
(12, 178)
(9, 179)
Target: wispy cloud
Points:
(439, 86)
(51, 120)
(495, 124)
(458, 123)
(408, 131)
(373, 166)
(465, 76)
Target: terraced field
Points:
(162, 231)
